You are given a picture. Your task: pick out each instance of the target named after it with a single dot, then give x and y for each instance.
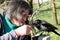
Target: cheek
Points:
(24, 18)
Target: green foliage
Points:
(45, 13)
(57, 0)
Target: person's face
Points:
(25, 15)
(23, 18)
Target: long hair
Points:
(17, 7)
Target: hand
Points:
(23, 30)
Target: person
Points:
(12, 25)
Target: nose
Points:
(25, 18)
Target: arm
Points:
(13, 35)
(9, 36)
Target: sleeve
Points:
(9, 36)
(1, 24)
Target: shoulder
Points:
(1, 14)
(1, 24)
(1, 17)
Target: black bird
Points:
(45, 26)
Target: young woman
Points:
(16, 15)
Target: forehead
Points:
(26, 12)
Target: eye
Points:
(25, 15)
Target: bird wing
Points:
(50, 26)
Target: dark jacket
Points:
(11, 35)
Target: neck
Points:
(16, 22)
(13, 21)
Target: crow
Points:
(45, 26)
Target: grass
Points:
(45, 13)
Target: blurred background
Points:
(48, 10)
